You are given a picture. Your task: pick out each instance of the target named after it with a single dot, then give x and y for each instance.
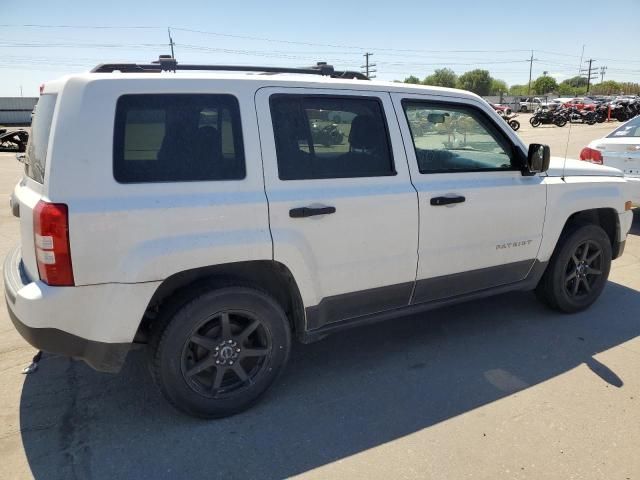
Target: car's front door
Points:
(481, 220)
(342, 210)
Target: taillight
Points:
(591, 155)
(51, 237)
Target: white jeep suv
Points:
(216, 215)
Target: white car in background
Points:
(619, 149)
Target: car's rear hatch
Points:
(32, 187)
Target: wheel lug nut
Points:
(231, 363)
(238, 350)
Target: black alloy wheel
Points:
(583, 269)
(578, 269)
(225, 353)
(215, 350)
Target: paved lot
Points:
(498, 388)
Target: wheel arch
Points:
(271, 276)
(606, 218)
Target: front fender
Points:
(571, 195)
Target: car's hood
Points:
(558, 167)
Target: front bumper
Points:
(94, 323)
(634, 189)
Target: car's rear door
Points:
(342, 210)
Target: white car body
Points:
(385, 248)
(623, 152)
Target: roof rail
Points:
(166, 63)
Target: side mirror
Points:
(538, 158)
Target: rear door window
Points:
(36, 156)
(322, 136)
(174, 138)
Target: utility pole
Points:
(368, 67)
(20, 90)
(603, 69)
(171, 42)
(588, 73)
(531, 60)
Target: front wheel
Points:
(534, 122)
(220, 351)
(515, 125)
(560, 122)
(578, 270)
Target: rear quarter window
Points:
(179, 137)
(36, 156)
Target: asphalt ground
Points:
(492, 389)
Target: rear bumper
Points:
(94, 323)
(104, 357)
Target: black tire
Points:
(216, 353)
(571, 282)
(523, 108)
(534, 122)
(561, 122)
(514, 124)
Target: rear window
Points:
(629, 129)
(173, 138)
(39, 139)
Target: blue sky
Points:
(410, 37)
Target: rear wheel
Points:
(515, 125)
(534, 122)
(220, 351)
(578, 270)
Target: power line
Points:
(105, 27)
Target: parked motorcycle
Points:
(327, 135)
(544, 116)
(581, 116)
(511, 121)
(601, 112)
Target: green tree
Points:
(566, 89)
(412, 79)
(499, 86)
(544, 85)
(477, 81)
(577, 81)
(442, 77)
(518, 90)
(606, 88)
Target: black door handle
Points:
(303, 212)
(437, 201)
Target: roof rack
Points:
(166, 63)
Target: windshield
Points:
(629, 129)
(39, 138)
